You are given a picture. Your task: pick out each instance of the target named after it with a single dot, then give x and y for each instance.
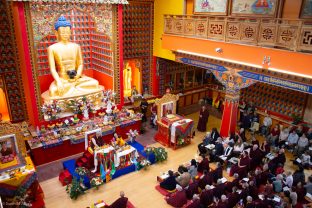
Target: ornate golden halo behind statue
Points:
(66, 66)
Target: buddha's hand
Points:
(60, 87)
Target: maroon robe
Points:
(203, 119)
(222, 205)
(256, 158)
(194, 204)
(206, 180)
(178, 199)
(191, 190)
(203, 165)
(230, 185)
(206, 197)
(233, 198)
(119, 203)
(242, 171)
(219, 190)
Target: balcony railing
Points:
(294, 35)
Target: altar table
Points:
(41, 155)
(21, 183)
(170, 129)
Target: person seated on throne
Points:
(66, 65)
(97, 141)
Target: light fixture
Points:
(266, 60)
(219, 50)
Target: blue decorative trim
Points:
(278, 82)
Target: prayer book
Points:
(223, 180)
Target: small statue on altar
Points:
(66, 66)
(120, 142)
(86, 113)
(109, 107)
(132, 135)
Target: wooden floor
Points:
(138, 186)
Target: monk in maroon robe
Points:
(177, 199)
(233, 197)
(242, 166)
(206, 197)
(256, 157)
(192, 189)
(205, 179)
(119, 203)
(217, 173)
(203, 165)
(231, 184)
(203, 119)
(195, 202)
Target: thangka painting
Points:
(212, 7)
(267, 8)
(9, 158)
(306, 9)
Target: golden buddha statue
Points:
(66, 66)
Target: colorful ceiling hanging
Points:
(80, 1)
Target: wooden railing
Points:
(294, 35)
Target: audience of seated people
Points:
(259, 177)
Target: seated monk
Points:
(119, 203)
(203, 165)
(97, 141)
(242, 166)
(178, 199)
(206, 197)
(170, 182)
(205, 179)
(66, 65)
(195, 202)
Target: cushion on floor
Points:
(163, 191)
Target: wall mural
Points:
(212, 7)
(254, 7)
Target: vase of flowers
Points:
(143, 164)
(81, 171)
(96, 182)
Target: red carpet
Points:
(163, 191)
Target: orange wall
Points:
(280, 59)
(105, 80)
(291, 9)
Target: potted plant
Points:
(296, 118)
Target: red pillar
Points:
(229, 117)
(120, 55)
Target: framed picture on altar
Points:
(8, 152)
(262, 8)
(166, 109)
(211, 7)
(306, 9)
(91, 134)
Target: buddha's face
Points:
(63, 34)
